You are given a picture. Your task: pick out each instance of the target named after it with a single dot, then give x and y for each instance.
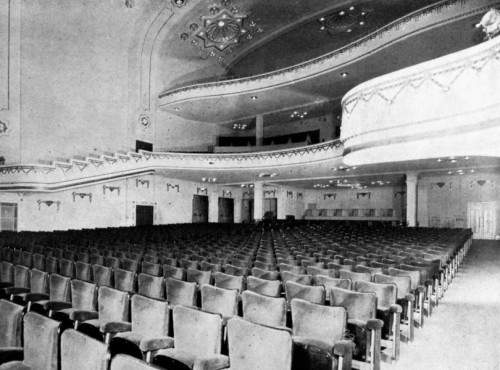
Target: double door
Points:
(482, 219)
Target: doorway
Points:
(270, 211)
(200, 208)
(144, 215)
(481, 218)
(247, 211)
(226, 210)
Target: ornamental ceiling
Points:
(217, 40)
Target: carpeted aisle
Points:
(463, 332)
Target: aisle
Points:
(464, 330)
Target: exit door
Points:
(144, 215)
(481, 219)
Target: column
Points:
(258, 201)
(411, 198)
(259, 130)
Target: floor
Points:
(463, 332)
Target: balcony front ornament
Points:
(363, 195)
(110, 188)
(202, 191)
(330, 195)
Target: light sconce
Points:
(110, 188)
(82, 195)
(142, 182)
(48, 203)
(171, 186)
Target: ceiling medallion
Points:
(144, 121)
(222, 30)
(344, 20)
(179, 3)
(184, 36)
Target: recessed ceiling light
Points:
(349, 30)
(472, 171)
(253, 97)
(351, 8)
(344, 74)
(322, 28)
(361, 23)
(440, 160)
(176, 108)
(342, 12)
(449, 172)
(322, 19)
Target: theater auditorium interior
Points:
(249, 184)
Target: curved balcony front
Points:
(322, 79)
(239, 167)
(442, 108)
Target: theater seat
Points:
(181, 292)
(222, 280)
(151, 286)
(318, 333)
(253, 346)
(11, 324)
(197, 342)
(219, 300)
(83, 298)
(261, 309)
(41, 345)
(79, 351)
(271, 288)
(124, 362)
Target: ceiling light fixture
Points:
(208, 179)
(253, 97)
(344, 74)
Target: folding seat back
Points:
(253, 346)
(181, 292)
(7, 254)
(311, 270)
(83, 257)
(308, 263)
(360, 307)
(83, 295)
(151, 268)
(355, 276)
(212, 267)
(271, 288)
(219, 260)
(338, 267)
(265, 274)
(222, 280)
(130, 265)
(96, 251)
(265, 266)
(240, 263)
(188, 264)
(125, 280)
(113, 305)
(317, 330)
(17, 257)
(39, 262)
(83, 271)
(150, 258)
(297, 278)
(66, 268)
(6, 273)
(96, 259)
(52, 265)
(21, 276)
(169, 261)
(264, 310)
(313, 294)
(151, 286)
(289, 268)
(58, 253)
(79, 351)
(235, 270)
(386, 293)
(219, 300)
(41, 342)
(69, 255)
(403, 283)
(103, 276)
(199, 277)
(11, 324)
(112, 262)
(369, 270)
(328, 282)
(414, 276)
(27, 259)
(124, 362)
(178, 273)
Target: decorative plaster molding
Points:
(330, 195)
(289, 194)
(227, 193)
(248, 194)
(110, 188)
(48, 203)
(82, 195)
(171, 186)
(300, 195)
(270, 192)
(202, 191)
(363, 195)
(142, 182)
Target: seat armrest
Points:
(395, 308)
(154, 344)
(374, 324)
(81, 315)
(32, 297)
(308, 341)
(410, 297)
(56, 305)
(115, 327)
(343, 348)
(213, 362)
(8, 354)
